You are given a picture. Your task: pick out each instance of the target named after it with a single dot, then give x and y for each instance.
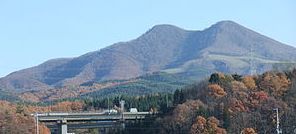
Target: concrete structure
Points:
(63, 121)
(63, 127)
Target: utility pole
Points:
(37, 125)
(278, 130)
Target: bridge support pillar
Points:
(62, 124)
(122, 125)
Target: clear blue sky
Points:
(33, 31)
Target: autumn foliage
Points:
(12, 115)
(16, 119)
(216, 91)
(274, 83)
(249, 82)
(238, 86)
(182, 116)
(68, 106)
(240, 104)
(206, 126)
(248, 131)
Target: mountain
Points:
(225, 46)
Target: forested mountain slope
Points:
(225, 47)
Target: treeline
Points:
(153, 102)
(234, 104)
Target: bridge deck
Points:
(76, 117)
(62, 121)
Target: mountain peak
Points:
(226, 22)
(165, 28)
(229, 27)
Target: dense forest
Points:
(16, 118)
(235, 104)
(223, 103)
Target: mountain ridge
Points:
(225, 47)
